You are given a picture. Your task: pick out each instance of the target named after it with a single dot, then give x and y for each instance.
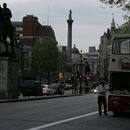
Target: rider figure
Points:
(8, 30)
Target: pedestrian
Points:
(102, 101)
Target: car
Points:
(47, 90)
(58, 88)
(94, 90)
(68, 86)
(107, 87)
(31, 88)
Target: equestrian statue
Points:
(6, 30)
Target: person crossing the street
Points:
(102, 100)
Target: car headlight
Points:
(95, 90)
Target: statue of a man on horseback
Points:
(6, 28)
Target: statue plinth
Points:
(8, 78)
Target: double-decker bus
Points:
(119, 75)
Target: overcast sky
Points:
(91, 18)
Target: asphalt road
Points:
(68, 113)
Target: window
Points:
(121, 46)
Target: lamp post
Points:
(80, 78)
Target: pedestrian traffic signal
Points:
(72, 78)
(80, 78)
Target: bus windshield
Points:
(120, 82)
(121, 46)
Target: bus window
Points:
(121, 46)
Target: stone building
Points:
(28, 32)
(91, 59)
(105, 43)
(33, 30)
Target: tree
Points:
(62, 60)
(124, 4)
(45, 58)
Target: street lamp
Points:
(81, 61)
(80, 78)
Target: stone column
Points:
(69, 21)
(8, 78)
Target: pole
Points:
(80, 79)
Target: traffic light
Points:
(78, 74)
(80, 78)
(72, 77)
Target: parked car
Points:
(106, 86)
(31, 88)
(68, 86)
(46, 90)
(58, 88)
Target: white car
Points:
(95, 90)
(106, 86)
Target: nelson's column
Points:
(69, 21)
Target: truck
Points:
(119, 75)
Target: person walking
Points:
(102, 101)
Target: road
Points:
(68, 113)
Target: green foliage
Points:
(62, 61)
(44, 57)
(124, 4)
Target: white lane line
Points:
(62, 121)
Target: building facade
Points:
(90, 60)
(105, 47)
(28, 32)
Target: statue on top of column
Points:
(70, 13)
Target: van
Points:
(31, 88)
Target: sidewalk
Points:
(21, 98)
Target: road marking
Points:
(62, 121)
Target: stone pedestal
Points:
(8, 78)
